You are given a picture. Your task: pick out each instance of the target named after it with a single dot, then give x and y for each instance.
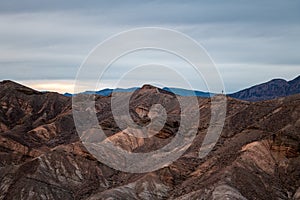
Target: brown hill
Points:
(41, 157)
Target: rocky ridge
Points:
(269, 90)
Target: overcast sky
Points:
(43, 43)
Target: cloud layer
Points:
(250, 41)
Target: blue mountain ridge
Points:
(177, 91)
(265, 91)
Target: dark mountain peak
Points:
(153, 89)
(9, 83)
(269, 90)
(276, 80)
(148, 87)
(11, 86)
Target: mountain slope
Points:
(41, 157)
(269, 90)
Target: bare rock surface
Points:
(41, 156)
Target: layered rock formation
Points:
(41, 156)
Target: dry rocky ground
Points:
(41, 156)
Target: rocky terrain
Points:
(269, 90)
(41, 156)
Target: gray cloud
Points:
(48, 40)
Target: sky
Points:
(43, 43)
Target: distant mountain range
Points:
(269, 90)
(177, 91)
(185, 92)
(265, 91)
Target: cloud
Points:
(49, 40)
